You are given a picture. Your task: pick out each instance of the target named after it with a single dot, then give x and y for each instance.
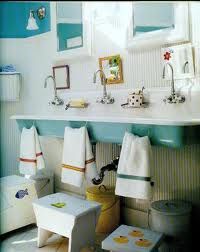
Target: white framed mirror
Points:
(181, 59)
(71, 28)
(157, 23)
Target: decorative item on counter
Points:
(76, 103)
(135, 99)
(112, 68)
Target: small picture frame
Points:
(61, 75)
(112, 68)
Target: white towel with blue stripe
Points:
(134, 169)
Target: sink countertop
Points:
(157, 113)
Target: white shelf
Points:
(9, 73)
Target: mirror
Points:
(151, 17)
(69, 25)
(156, 23)
(181, 59)
(61, 75)
(112, 68)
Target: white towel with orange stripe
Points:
(31, 156)
(78, 161)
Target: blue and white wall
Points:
(14, 19)
(177, 172)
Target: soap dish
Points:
(126, 105)
(85, 105)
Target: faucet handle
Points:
(56, 101)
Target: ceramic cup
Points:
(135, 100)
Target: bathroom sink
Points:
(171, 125)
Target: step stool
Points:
(69, 216)
(132, 239)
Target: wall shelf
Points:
(10, 85)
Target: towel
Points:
(78, 160)
(31, 156)
(133, 174)
(7, 68)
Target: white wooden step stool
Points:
(132, 239)
(76, 220)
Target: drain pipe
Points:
(109, 167)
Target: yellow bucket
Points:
(110, 210)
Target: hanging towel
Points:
(133, 174)
(31, 156)
(78, 160)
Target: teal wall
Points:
(14, 17)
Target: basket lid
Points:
(171, 207)
(101, 190)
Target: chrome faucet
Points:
(173, 97)
(56, 100)
(106, 99)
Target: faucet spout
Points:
(174, 97)
(103, 81)
(56, 100)
(172, 77)
(54, 83)
(106, 98)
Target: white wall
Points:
(33, 58)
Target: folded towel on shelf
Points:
(78, 160)
(7, 68)
(31, 156)
(134, 174)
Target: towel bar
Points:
(160, 135)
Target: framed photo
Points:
(112, 68)
(61, 75)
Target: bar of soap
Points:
(77, 103)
